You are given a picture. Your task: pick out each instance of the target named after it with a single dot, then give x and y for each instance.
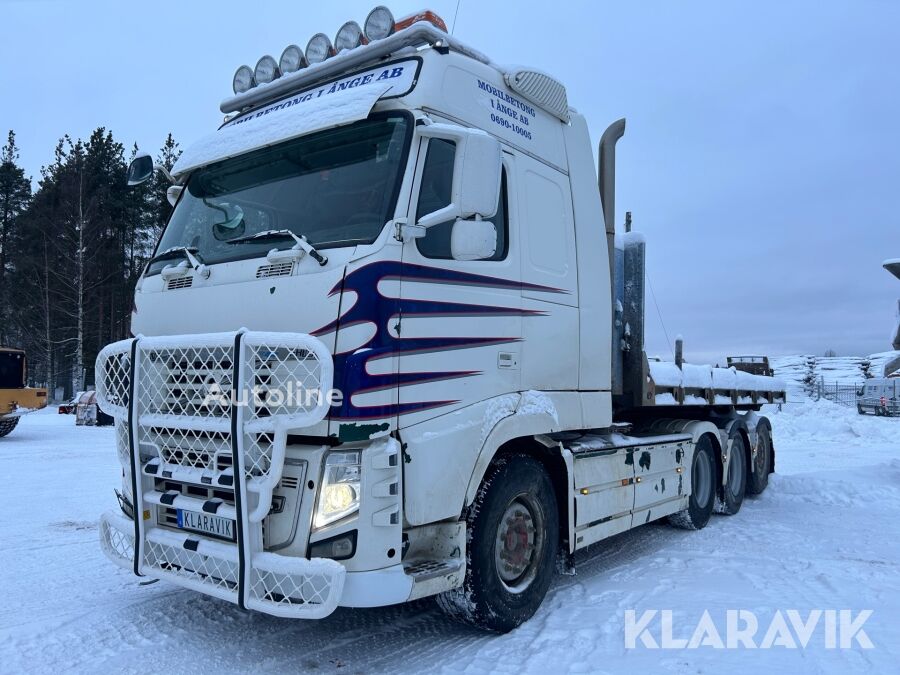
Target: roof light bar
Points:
(379, 24)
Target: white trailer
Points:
(414, 235)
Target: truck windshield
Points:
(337, 188)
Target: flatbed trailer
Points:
(392, 226)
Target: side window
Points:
(434, 194)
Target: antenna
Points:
(455, 13)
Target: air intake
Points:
(540, 89)
(180, 282)
(280, 269)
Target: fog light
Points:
(340, 547)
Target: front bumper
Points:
(18, 402)
(278, 585)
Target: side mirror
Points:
(140, 170)
(473, 240)
(476, 173)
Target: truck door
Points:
(549, 278)
(460, 320)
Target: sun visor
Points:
(283, 120)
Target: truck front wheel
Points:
(512, 539)
(6, 426)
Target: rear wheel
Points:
(762, 462)
(703, 489)
(512, 539)
(736, 479)
(6, 426)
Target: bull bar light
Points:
(379, 24)
(243, 80)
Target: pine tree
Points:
(15, 195)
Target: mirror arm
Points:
(165, 172)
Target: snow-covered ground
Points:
(825, 535)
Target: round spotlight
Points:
(266, 70)
(349, 36)
(379, 24)
(243, 80)
(319, 48)
(292, 59)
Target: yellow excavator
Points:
(15, 398)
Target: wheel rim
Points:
(762, 456)
(702, 479)
(520, 540)
(736, 468)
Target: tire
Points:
(759, 479)
(509, 562)
(703, 489)
(736, 480)
(6, 426)
(860, 410)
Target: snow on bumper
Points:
(278, 585)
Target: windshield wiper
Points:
(301, 242)
(189, 253)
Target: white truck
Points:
(391, 346)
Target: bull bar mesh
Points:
(215, 410)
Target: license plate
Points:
(223, 528)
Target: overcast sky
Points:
(761, 157)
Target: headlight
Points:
(340, 488)
(349, 36)
(379, 24)
(318, 48)
(266, 70)
(243, 80)
(292, 59)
